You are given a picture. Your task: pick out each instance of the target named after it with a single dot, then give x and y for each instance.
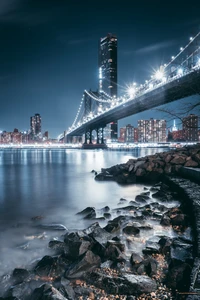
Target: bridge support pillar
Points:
(88, 136)
(102, 136)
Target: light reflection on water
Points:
(55, 184)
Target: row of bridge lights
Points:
(159, 75)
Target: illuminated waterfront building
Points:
(151, 131)
(190, 128)
(129, 133)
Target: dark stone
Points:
(86, 263)
(178, 276)
(106, 209)
(88, 213)
(131, 229)
(82, 291)
(141, 198)
(165, 220)
(19, 275)
(66, 289)
(58, 247)
(107, 215)
(51, 226)
(136, 258)
(46, 292)
(181, 251)
(103, 176)
(77, 245)
(128, 284)
(50, 266)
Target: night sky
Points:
(49, 52)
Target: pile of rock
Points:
(152, 168)
(100, 263)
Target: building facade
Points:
(152, 131)
(108, 75)
(35, 127)
(190, 128)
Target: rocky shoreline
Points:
(153, 168)
(145, 252)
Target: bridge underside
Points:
(177, 89)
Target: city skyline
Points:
(49, 53)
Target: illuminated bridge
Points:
(175, 80)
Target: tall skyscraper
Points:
(108, 72)
(190, 128)
(35, 126)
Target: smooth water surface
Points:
(53, 184)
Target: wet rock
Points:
(82, 291)
(181, 251)
(115, 224)
(77, 245)
(141, 198)
(19, 275)
(151, 247)
(105, 209)
(58, 247)
(86, 263)
(104, 176)
(165, 220)
(191, 163)
(22, 291)
(47, 292)
(66, 289)
(128, 284)
(131, 229)
(88, 213)
(51, 227)
(50, 267)
(107, 215)
(114, 254)
(135, 258)
(178, 276)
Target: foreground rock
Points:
(145, 252)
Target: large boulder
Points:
(85, 263)
(127, 284)
(77, 245)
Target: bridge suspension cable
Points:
(181, 50)
(97, 99)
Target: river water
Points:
(55, 185)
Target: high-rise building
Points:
(143, 131)
(190, 128)
(35, 126)
(122, 135)
(151, 131)
(108, 73)
(129, 133)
